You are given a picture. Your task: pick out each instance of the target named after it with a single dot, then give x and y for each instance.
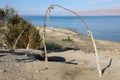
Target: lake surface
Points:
(103, 27)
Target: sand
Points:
(76, 63)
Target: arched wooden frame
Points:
(86, 26)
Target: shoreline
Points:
(103, 27)
(80, 41)
(73, 30)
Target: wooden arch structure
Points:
(86, 26)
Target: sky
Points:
(38, 7)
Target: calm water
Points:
(103, 27)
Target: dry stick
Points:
(86, 26)
(44, 44)
(47, 13)
(96, 54)
(17, 40)
(44, 39)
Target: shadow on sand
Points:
(60, 49)
(4, 51)
(2, 55)
(50, 59)
(36, 57)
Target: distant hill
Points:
(90, 12)
(101, 12)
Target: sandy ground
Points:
(63, 65)
(68, 65)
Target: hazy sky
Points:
(39, 6)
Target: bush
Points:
(68, 39)
(30, 36)
(15, 26)
(52, 46)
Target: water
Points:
(103, 27)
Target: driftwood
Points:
(86, 26)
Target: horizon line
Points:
(99, 12)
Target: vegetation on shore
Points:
(15, 25)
